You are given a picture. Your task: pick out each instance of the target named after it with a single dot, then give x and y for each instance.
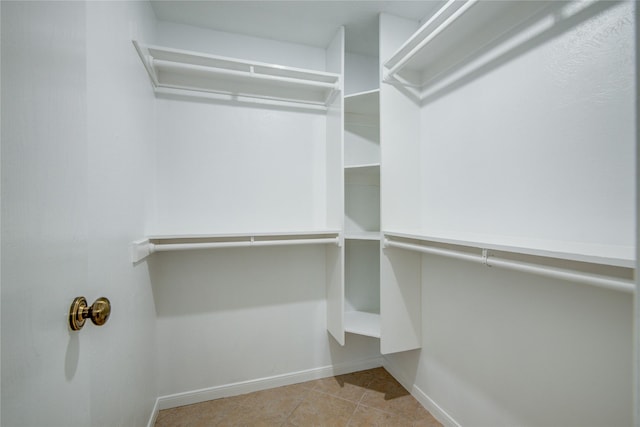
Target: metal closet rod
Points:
(621, 285)
(153, 247)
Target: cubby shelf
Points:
(366, 167)
(363, 103)
(188, 72)
(141, 249)
(362, 323)
(362, 235)
(457, 31)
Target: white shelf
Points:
(618, 256)
(364, 167)
(457, 31)
(141, 249)
(363, 103)
(362, 235)
(362, 323)
(188, 72)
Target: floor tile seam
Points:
(291, 413)
(352, 414)
(398, 414)
(338, 397)
(246, 404)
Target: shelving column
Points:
(362, 213)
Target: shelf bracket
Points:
(485, 257)
(140, 249)
(332, 96)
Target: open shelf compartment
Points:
(363, 103)
(362, 323)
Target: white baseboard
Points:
(235, 389)
(154, 415)
(429, 404)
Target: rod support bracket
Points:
(485, 257)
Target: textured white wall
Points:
(502, 348)
(541, 146)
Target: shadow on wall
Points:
(202, 281)
(356, 346)
(554, 20)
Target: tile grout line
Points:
(357, 406)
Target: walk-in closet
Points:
(420, 211)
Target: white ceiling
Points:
(310, 22)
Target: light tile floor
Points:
(366, 398)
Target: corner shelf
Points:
(363, 103)
(141, 249)
(186, 72)
(362, 235)
(453, 34)
(367, 168)
(362, 323)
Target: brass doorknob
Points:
(79, 312)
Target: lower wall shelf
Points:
(141, 249)
(482, 251)
(362, 323)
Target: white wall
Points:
(540, 146)
(77, 153)
(229, 168)
(361, 73)
(240, 46)
(237, 315)
(501, 348)
(228, 316)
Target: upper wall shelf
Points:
(458, 30)
(173, 70)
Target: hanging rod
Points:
(143, 248)
(621, 285)
(399, 63)
(153, 247)
(207, 70)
